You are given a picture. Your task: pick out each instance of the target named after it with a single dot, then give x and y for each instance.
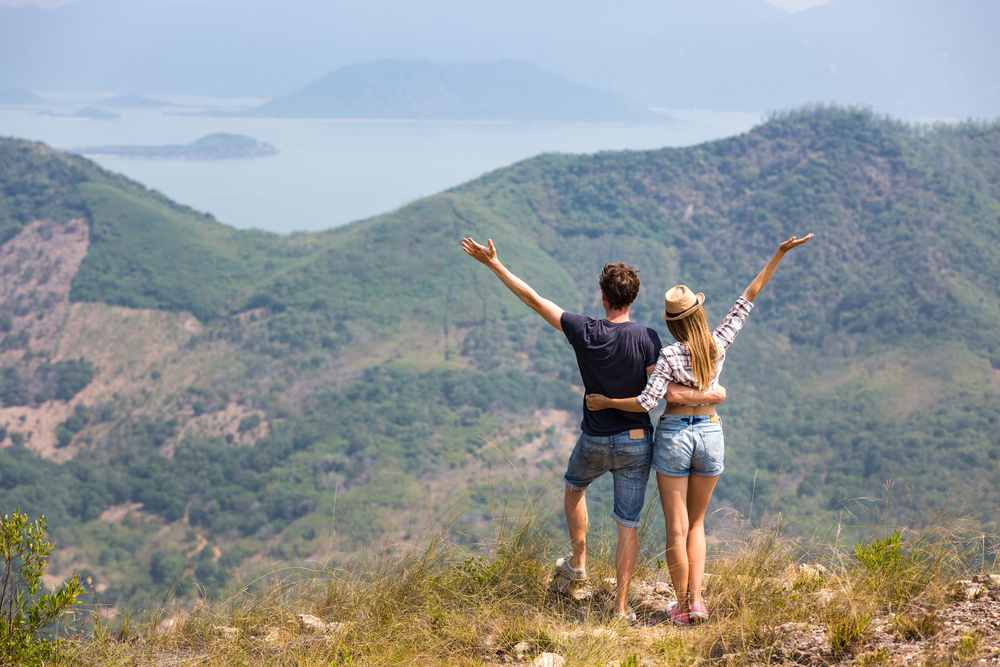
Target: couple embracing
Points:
(626, 371)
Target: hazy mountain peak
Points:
(507, 90)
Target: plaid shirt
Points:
(674, 364)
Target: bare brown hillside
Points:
(125, 345)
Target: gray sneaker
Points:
(572, 573)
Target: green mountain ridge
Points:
(359, 367)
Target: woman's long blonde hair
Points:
(693, 332)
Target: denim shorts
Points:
(627, 459)
(689, 445)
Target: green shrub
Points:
(13, 387)
(24, 614)
(64, 436)
(249, 423)
(65, 379)
(882, 557)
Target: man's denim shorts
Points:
(689, 445)
(627, 459)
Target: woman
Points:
(689, 449)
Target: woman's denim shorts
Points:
(689, 445)
(628, 462)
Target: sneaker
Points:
(677, 617)
(698, 613)
(572, 573)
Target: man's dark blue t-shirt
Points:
(613, 359)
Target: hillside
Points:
(199, 394)
(408, 90)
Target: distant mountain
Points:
(131, 102)
(219, 146)
(501, 91)
(911, 58)
(19, 97)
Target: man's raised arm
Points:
(549, 311)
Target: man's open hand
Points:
(487, 256)
(549, 311)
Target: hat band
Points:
(683, 312)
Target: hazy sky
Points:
(789, 5)
(40, 3)
(797, 5)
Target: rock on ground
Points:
(549, 660)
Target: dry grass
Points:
(447, 603)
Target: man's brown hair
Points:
(620, 284)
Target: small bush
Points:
(968, 646)
(63, 437)
(249, 423)
(24, 614)
(916, 624)
(879, 656)
(846, 629)
(13, 387)
(882, 557)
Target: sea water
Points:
(330, 172)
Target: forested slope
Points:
(357, 368)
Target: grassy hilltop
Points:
(282, 394)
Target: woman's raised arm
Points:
(758, 283)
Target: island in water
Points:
(218, 146)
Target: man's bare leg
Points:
(626, 554)
(673, 498)
(699, 493)
(575, 503)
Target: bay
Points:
(331, 172)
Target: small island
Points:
(218, 146)
(86, 113)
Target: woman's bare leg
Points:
(673, 498)
(699, 493)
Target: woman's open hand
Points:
(793, 243)
(597, 402)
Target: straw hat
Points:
(679, 302)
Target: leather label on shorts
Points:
(715, 419)
(636, 434)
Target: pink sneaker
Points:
(698, 613)
(677, 617)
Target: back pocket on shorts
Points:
(715, 446)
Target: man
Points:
(615, 356)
